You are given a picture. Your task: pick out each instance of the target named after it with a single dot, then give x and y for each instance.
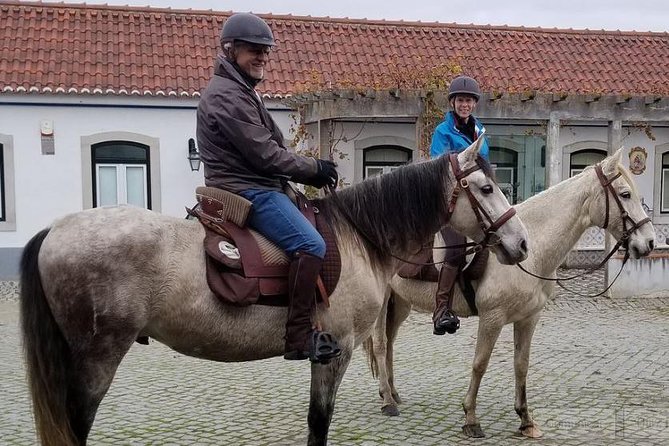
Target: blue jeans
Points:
(279, 220)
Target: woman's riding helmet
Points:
(464, 85)
(247, 28)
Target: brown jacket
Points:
(240, 144)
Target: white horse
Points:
(555, 219)
(98, 279)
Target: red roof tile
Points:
(100, 49)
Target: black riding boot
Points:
(302, 340)
(445, 321)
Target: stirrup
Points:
(447, 322)
(324, 347)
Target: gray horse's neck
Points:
(555, 220)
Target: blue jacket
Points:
(447, 138)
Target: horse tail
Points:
(46, 353)
(368, 345)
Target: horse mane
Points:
(390, 213)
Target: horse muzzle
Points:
(511, 254)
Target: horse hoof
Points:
(473, 430)
(390, 410)
(531, 431)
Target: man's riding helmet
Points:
(247, 28)
(464, 85)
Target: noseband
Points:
(490, 228)
(608, 187)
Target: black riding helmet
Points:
(247, 28)
(464, 85)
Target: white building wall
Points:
(50, 186)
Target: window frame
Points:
(575, 169)
(154, 177)
(120, 161)
(8, 220)
(387, 166)
(122, 182)
(3, 214)
(664, 172)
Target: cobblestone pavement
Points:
(599, 375)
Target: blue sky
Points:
(626, 15)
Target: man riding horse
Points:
(243, 152)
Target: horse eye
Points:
(487, 189)
(626, 195)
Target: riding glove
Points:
(326, 175)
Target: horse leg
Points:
(397, 313)
(325, 380)
(488, 332)
(377, 351)
(522, 335)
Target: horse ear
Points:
(610, 163)
(470, 153)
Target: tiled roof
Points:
(60, 48)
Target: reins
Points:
(606, 184)
(490, 235)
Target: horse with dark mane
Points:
(96, 280)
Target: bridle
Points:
(607, 185)
(490, 237)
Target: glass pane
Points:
(374, 171)
(386, 154)
(504, 175)
(2, 184)
(134, 178)
(118, 152)
(523, 154)
(665, 190)
(665, 159)
(107, 186)
(587, 158)
(498, 156)
(574, 172)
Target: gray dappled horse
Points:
(96, 280)
(555, 219)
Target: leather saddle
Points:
(244, 267)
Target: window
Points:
(584, 158)
(121, 174)
(3, 215)
(379, 160)
(505, 164)
(7, 198)
(664, 187)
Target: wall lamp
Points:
(193, 156)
